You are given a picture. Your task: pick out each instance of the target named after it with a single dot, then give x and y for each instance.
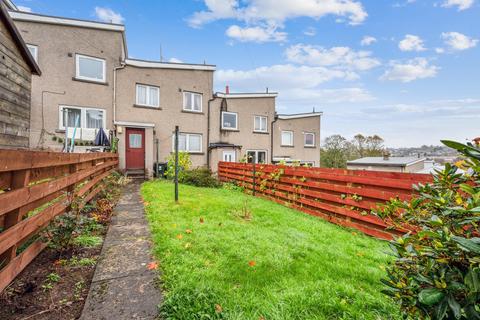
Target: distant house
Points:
(16, 68)
(393, 164)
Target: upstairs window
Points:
(192, 101)
(309, 139)
(148, 96)
(33, 51)
(260, 124)
(287, 138)
(188, 142)
(90, 68)
(229, 120)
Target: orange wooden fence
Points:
(344, 197)
(35, 187)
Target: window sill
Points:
(230, 130)
(261, 132)
(146, 107)
(90, 81)
(310, 147)
(194, 112)
(192, 153)
(285, 146)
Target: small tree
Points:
(184, 163)
(436, 273)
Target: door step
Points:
(136, 174)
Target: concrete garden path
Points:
(123, 287)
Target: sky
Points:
(407, 70)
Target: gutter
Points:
(122, 65)
(271, 137)
(208, 129)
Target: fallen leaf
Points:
(179, 236)
(354, 233)
(188, 231)
(360, 254)
(261, 318)
(201, 220)
(146, 204)
(152, 266)
(252, 263)
(188, 245)
(218, 308)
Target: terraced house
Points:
(89, 83)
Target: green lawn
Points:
(280, 264)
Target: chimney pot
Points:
(227, 89)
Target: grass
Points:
(272, 263)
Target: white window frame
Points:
(185, 107)
(305, 139)
(147, 87)
(281, 138)
(256, 154)
(35, 49)
(229, 152)
(77, 68)
(236, 120)
(187, 143)
(266, 123)
(83, 116)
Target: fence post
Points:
(20, 179)
(176, 163)
(254, 160)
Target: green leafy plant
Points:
(200, 177)
(87, 241)
(184, 164)
(436, 273)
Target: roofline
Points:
(10, 5)
(169, 65)
(35, 17)
(299, 115)
(377, 164)
(17, 38)
(246, 95)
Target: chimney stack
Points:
(227, 89)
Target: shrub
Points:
(200, 177)
(436, 273)
(184, 164)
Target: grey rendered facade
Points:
(133, 98)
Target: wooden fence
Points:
(35, 187)
(344, 197)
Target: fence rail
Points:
(35, 187)
(344, 197)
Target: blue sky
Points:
(407, 70)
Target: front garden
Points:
(227, 255)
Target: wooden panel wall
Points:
(35, 187)
(344, 197)
(15, 94)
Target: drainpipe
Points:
(275, 118)
(208, 130)
(122, 65)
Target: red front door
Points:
(135, 150)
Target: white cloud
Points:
(24, 9)
(108, 15)
(439, 50)
(418, 68)
(411, 43)
(298, 86)
(458, 41)
(343, 58)
(175, 60)
(368, 40)
(277, 11)
(461, 4)
(256, 34)
(310, 31)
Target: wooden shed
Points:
(16, 68)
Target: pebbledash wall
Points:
(58, 42)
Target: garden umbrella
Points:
(101, 139)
